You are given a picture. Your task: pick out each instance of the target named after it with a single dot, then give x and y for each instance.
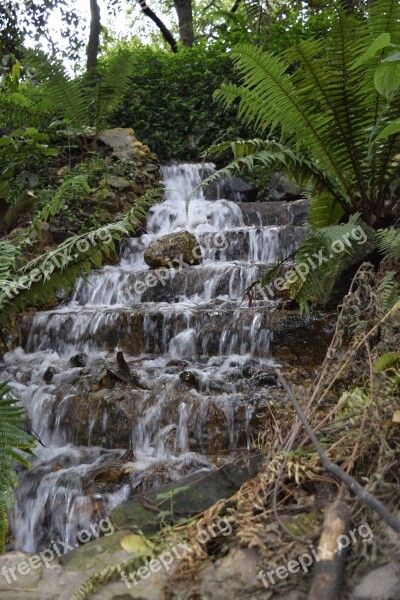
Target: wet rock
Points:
(49, 374)
(281, 188)
(194, 493)
(118, 183)
(170, 250)
(122, 364)
(79, 360)
(110, 376)
(215, 436)
(60, 235)
(190, 378)
(265, 378)
(275, 213)
(246, 372)
(238, 190)
(176, 362)
(45, 234)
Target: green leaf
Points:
(19, 99)
(324, 211)
(137, 544)
(387, 77)
(387, 360)
(5, 141)
(390, 129)
(382, 41)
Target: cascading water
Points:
(191, 344)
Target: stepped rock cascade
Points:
(200, 360)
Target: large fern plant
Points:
(326, 111)
(319, 113)
(84, 103)
(15, 446)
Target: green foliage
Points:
(324, 211)
(319, 98)
(85, 102)
(38, 282)
(330, 243)
(23, 154)
(169, 103)
(389, 242)
(386, 361)
(15, 445)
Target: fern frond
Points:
(71, 185)
(15, 445)
(324, 210)
(389, 242)
(66, 94)
(113, 82)
(247, 154)
(39, 281)
(388, 290)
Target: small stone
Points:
(190, 378)
(265, 378)
(79, 360)
(49, 374)
(379, 584)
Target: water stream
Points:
(194, 349)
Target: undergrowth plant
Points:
(83, 103)
(40, 280)
(327, 111)
(15, 447)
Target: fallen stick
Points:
(349, 481)
(328, 570)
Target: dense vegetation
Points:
(319, 86)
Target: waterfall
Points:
(193, 346)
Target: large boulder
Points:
(231, 188)
(280, 187)
(172, 250)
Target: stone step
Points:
(275, 213)
(267, 244)
(204, 283)
(181, 329)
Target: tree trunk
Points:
(185, 18)
(92, 48)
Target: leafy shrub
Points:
(170, 103)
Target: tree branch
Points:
(165, 32)
(349, 481)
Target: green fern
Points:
(319, 100)
(58, 269)
(15, 446)
(70, 186)
(389, 242)
(65, 94)
(319, 282)
(112, 83)
(83, 103)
